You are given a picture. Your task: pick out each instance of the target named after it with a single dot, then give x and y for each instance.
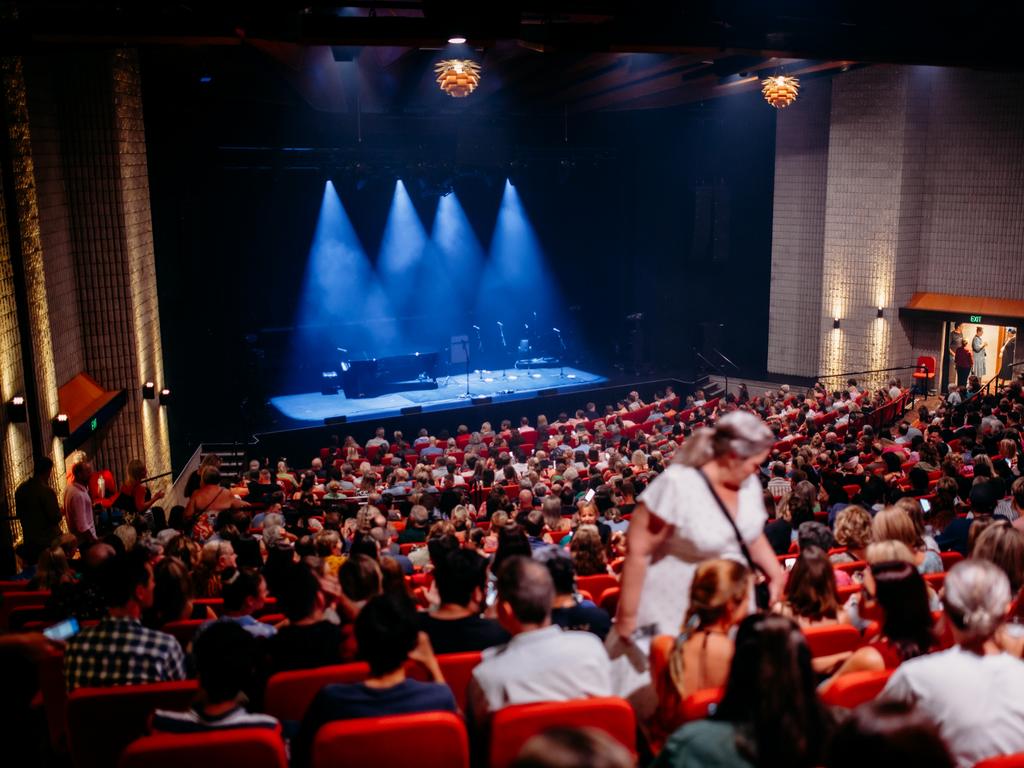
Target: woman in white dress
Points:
(676, 525)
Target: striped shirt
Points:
(196, 721)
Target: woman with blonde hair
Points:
(702, 652)
(706, 504)
(135, 497)
(895, 524)
(853, 531)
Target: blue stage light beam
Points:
(401, 253)
(340, 289)
(516, 279)
(452, 262)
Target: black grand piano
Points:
(372, 376)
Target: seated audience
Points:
(852, 531)
(573, 748)
(119, 650)
(541, 662)
(570, 610)
(887, 734)
(387, 635)
(456, 625)
(894, 524)
(702, 653)
(770, 674)
(245, 593)
(308, 639)
(972, 691)
(225, 659)
(907, 630)
(810, 595)
(588, 552)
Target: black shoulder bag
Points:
(761, 594)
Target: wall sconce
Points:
(835, 323)
(165, 396)
(880, 314)
(61, 425)
(149, 391)
(17, 411)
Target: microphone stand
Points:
(504, 352)
(561, 357)
(465, 350)
(730, 362)
(479, 348)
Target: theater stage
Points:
(314, 408)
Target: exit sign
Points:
(94, 423)
(975, 318)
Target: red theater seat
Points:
(827, 640)
(596, 585)
(386, 742)
(1003, 761)
(514, 726)
(230, 748)
(856, 688)
(103, 721)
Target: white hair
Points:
(976, 595)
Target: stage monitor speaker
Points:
(485, 400)
(412, 410)
(547, 392)
(335, 419)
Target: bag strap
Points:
(754, 567)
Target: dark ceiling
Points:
(536, 56)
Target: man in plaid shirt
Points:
(119, 650)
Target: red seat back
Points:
(829, 639)
(1003, 761)
(289, 694)
(949, 559)
(228, 748)
(20, 599)
(183, 631)
(438, 738)
(609, 600)
(596, 585)
(103, 721)
(855, 688)
(513, 726)
(457, 669)
(699, 704)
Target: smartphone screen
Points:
(590, 496)
(63, 630)
(789, 563)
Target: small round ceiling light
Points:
(456, 40)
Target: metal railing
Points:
(869, 379)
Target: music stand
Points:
(460, 354)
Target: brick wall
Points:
(798, 230)
(923, 192)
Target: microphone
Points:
(501, 324)
(556, 330)
(476, 327)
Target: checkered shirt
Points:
(122, 652)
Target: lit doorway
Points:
(1000, 351)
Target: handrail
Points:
(862, 373)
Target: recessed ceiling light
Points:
(456, 40)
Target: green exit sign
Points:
(94, 423)
(975, 318)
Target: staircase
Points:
(233, 462)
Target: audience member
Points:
(225, 659)
(570, 610)
(119, 650)
(456, 625)
(541, 662)
(387, 635)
